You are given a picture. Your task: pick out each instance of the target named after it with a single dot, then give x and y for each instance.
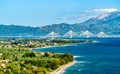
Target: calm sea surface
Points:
(101, 57)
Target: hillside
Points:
(108, 22)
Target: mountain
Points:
(13, 30)
(108, 23)
(60, 28)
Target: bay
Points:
(99, 57)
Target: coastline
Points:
(68, 44)
(53, 46)
(48, 47)
(62, 68)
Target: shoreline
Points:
(53, 46)
(68, 44)
(62, 68)
(48, 47)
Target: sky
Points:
(46, 12)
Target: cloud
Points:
(87, 14)
(104, 10)
(81, 16)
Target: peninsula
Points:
(16, 58)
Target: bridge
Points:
(52, 35)
(71, 34)
(87, 34)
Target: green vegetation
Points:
(36, 43)
(21, 61)
(15, 57)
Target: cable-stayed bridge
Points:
(87, 34)
(102, 34)
(71, 34)
(52, 35)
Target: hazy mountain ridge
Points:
(108, 22)
(13, 30)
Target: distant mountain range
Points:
(108, 23)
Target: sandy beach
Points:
(62, 69)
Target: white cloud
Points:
(77, 17)
(87, 14)
(104, 10)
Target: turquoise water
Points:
(102, 57)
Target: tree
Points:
(29, 54)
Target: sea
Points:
(99, 57)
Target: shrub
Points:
(29, 54)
